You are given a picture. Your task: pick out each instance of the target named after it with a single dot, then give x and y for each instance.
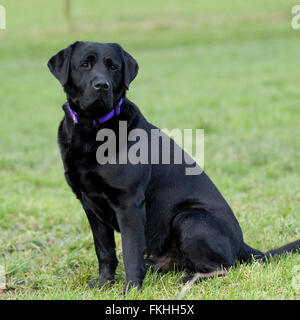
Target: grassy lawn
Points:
(229, 67)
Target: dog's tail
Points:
(248, 253)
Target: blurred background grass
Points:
(230, 67)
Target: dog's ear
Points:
(59, 64)
(130, 66)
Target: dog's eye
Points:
(85, 65)
(112, 67)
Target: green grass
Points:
(230, 67)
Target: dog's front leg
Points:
(105, 249)
(132, 219)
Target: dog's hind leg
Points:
(206, 247)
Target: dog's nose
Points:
(101, 84)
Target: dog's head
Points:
(94, 75)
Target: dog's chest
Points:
(83, 174)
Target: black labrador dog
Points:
(177, 220)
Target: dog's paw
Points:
(133, 284)
(93, 284)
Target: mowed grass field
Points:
(228, 67)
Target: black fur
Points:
(176, 219)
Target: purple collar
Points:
(115, 111)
